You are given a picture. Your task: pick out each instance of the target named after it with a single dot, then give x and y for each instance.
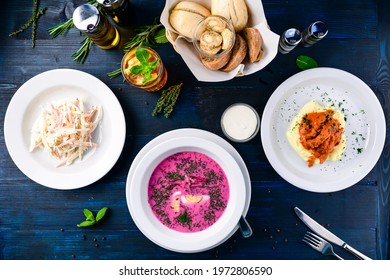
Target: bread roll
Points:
(186, 15)
(215, 63)
(253, 38)
(234, 10)
(239, 52)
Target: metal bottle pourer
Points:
(289, 40)
(315, 32)
(118, 10)
(96, 26)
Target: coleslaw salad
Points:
(64, 129)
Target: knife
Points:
(317, 228)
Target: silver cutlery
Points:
(319, 244)
(320, 230)
(245, 228)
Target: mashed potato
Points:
(294, 136)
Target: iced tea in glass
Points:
(137, 72)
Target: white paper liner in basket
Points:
(191, 57)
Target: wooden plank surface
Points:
(40, 223)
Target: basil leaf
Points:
(146, 68)
(137, 70)
(86, 223)
(142, 55)
(153, 65)
(147, 77)
(101, 214)
(159, 37)
(305, 62)
(89, 215)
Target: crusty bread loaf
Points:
(186, 15)
(239, 52)
(234, 10)
(253, 38)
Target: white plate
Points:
(200, 134)
(25, 107)
(365, 128)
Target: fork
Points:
(319, 244)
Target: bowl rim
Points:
(168, 238)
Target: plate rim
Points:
(288, 84)
(60, 77)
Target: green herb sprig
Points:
(34, 23)
(36, 14)
(81, 54)
(60, 29)
(167, 100)
(147, 35)
(114, 74)
(145, 68)
(29, 22)
(90, 219)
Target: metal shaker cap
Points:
(292, 37)
(86, 18)
(289, 40)
(319, 29)
(111, 4)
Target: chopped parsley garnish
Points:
(175, 176)
(184, 219)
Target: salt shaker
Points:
(118, 10)
(96, 26)
(315, 32)
(289, 40)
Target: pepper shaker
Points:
(315, 32)
(96, 26)
(118, 10)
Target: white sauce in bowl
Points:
(240, 122)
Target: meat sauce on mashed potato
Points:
(317, 133)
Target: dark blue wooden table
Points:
(40, 223)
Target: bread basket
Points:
(185, 48)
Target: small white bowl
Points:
(240, 122)
(170, 239)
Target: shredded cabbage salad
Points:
(65, 129)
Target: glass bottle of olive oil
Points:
(96, 26)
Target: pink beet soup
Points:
(188, 191)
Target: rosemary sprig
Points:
(115, 73)
(29, 22)
(81, 54)
(146, 36)
(59, 29)
(167, 100)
